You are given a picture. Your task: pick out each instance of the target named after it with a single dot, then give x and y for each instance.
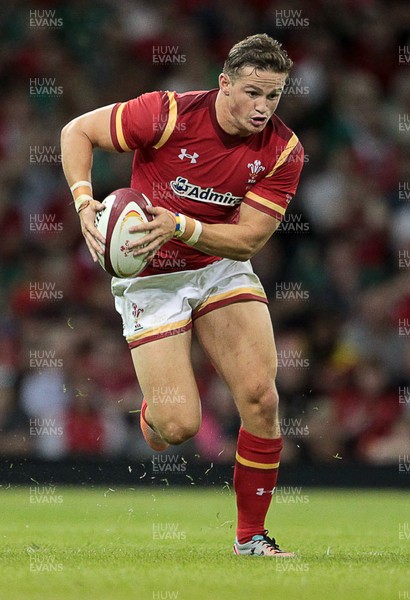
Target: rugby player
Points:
(220, 169)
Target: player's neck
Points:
(224, 117)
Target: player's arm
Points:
(121, 127)
(239, 241)
(78, 139)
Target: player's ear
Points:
(224, 83)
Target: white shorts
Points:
(158, 306)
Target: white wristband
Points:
(75, 186)
(195, 236)
(81, 199)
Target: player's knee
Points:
(264, 401)
(176, 433)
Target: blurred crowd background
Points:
(337, 271)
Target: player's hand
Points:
(89, 230)
(158, 231)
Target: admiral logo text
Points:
(182, 187)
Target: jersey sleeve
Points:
(273, 193)
(143, 121)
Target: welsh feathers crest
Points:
(254, 168)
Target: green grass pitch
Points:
(176, 543)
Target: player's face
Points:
(251, 99)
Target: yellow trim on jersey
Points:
(172, 119)
(256, 465)
(231, 294)
(118, 127)
(158, 330)
(272, 205)
(291, 145)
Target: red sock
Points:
(254, 479)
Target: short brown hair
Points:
(259, 51)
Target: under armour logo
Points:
(261, 491)
(184, 154)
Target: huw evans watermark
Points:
(404, 190)
(44, 359)
(40, 427)
(44, 290)
(293, 427)
(43, 562)
(45, 494)
(45, 155)
(45, 18)
(167, 55)
(165, 595)
(168, 463)
(291, 290)
(168, 259)
(294, 87)
(160, 122)
(404, 532)
(167, 394)
(291, 19)
(292, 359)
(404, 259)
(404, 55)
(296, 565)
(404, 463)
(290, 495)
(45, 223)
(404, 327)
(404, 122)
(404, 395)
(293, 223)
(45, 86)
(167, 531)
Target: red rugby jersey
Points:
(185, 162)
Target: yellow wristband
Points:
(180, 225)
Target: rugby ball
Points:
(124, 208)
